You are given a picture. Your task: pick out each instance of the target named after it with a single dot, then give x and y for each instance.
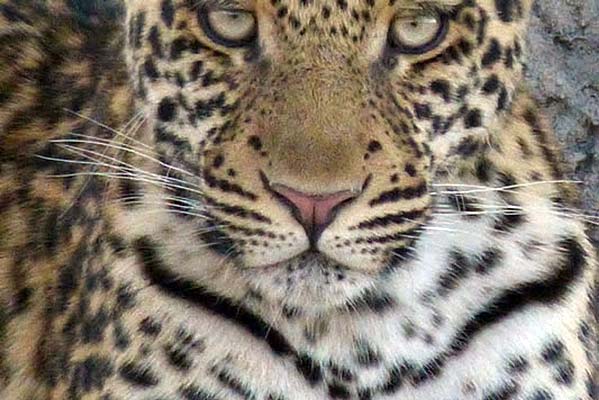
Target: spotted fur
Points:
(145, 255)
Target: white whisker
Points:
(108, 128)
(71, 142)
(129, 171)
(482, 189)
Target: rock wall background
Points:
(563, 68)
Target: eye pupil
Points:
(417, 34)
(231, 28)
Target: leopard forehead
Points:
(339, 38)
(304, 15)
(340, 45)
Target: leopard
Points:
(285, 200)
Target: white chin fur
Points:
(310, 282)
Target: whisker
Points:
(158, 210)
(142, 201)
(130, 171)
(127, 176)
(482, 189)
(108, 128)
(83, 152)
(70, 142)
(489, 203)
(448, 210)
(88, 139)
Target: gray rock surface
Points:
(563, 69)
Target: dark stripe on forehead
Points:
(432, 3)
(233, 4)
(215, 4)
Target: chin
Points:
(310, 283)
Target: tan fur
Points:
(317, 111)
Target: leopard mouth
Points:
(314, 212)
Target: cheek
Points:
(455, 112)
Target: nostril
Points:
(314, 211)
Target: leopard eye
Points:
(417, 34)
(231, 28)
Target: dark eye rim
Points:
(218, 39)
(400, 48)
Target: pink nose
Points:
(313, 211)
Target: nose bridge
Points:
(323, 100)
(316, 129)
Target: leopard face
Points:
(295, 142)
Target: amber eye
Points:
(232, 28)
(418, 33)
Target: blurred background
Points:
(563, 68)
